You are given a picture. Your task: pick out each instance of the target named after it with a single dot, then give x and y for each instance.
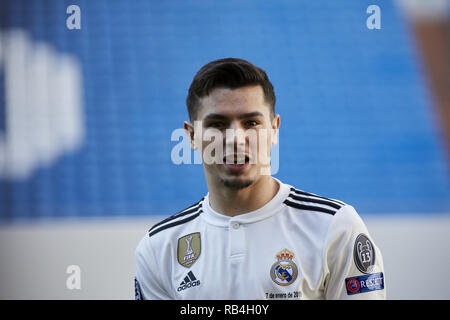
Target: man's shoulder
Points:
(324, 212)
(311, 202)
(323, 217)
(180, 218)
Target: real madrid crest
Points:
(189, 249)
(284, 271)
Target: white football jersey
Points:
(297, 246)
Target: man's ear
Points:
(189, 130)
(275, 127)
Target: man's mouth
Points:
(237, 159)
(236, 163)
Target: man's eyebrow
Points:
(216, 116)
(250, 115)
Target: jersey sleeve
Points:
(353, 263)
(147, 284)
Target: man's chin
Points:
(236, 184)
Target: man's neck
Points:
(234, 202)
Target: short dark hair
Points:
(229, 73)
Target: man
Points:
(252, 236)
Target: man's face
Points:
(234, 131)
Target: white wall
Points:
(416, 255)
(34, 257)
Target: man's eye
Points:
(215, 125)
(251, 123)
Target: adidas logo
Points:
(189, 281)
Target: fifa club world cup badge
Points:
(364, 254)
(189, 248)
(284, 271)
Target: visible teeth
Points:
(236, 159)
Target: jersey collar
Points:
(269, 209)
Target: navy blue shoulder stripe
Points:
(176, 223)
(195, 210)
(315, 195)
(315, 200)
(181, 213)
(308, 207)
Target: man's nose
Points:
(235, 134)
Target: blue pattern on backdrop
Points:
(357, 123)
(2, 104)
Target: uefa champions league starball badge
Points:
(284, 271)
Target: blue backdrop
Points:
(356, 119)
